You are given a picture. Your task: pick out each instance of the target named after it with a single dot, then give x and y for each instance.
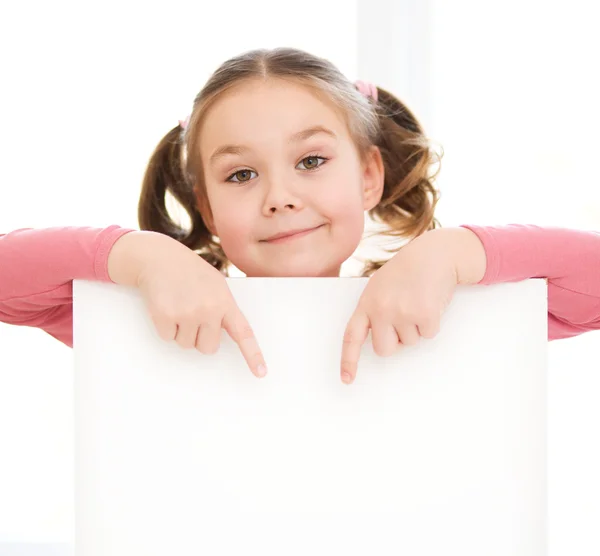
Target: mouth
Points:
(290, 235)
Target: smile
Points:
(290, 236)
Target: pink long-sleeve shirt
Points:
(37, 269)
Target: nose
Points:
(279, 198)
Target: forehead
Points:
(271, 107)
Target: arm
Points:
(568, 259)
(37, 269)
(188, 299)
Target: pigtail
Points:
(165, 174)
(407, 206)
(406, 209)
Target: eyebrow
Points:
(295, 138)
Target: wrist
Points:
(470, 256)
(467, 254)
(133, 252)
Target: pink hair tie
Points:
(366, 89)
(184, 123)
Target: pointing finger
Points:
(239, 329)
(354, 337)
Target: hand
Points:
(188, 299)
(404, 300)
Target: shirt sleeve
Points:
(568, 259)
(37, 269)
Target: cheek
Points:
(233, 225)
(342, 203)
(349, 222)
(343, 207)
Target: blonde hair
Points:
(407, 206)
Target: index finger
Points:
(354, 337)
(236, 325)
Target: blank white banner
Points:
(439, 449)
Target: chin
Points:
(304, 272)
(296, 269)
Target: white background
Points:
(509, 90)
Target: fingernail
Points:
(346, 377)
(261, 370)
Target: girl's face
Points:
(286, 186)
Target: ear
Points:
(373, 178)
(203, 207)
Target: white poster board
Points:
(437, 450)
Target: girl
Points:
(276, 166)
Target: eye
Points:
(241, 176)
(312, 162)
